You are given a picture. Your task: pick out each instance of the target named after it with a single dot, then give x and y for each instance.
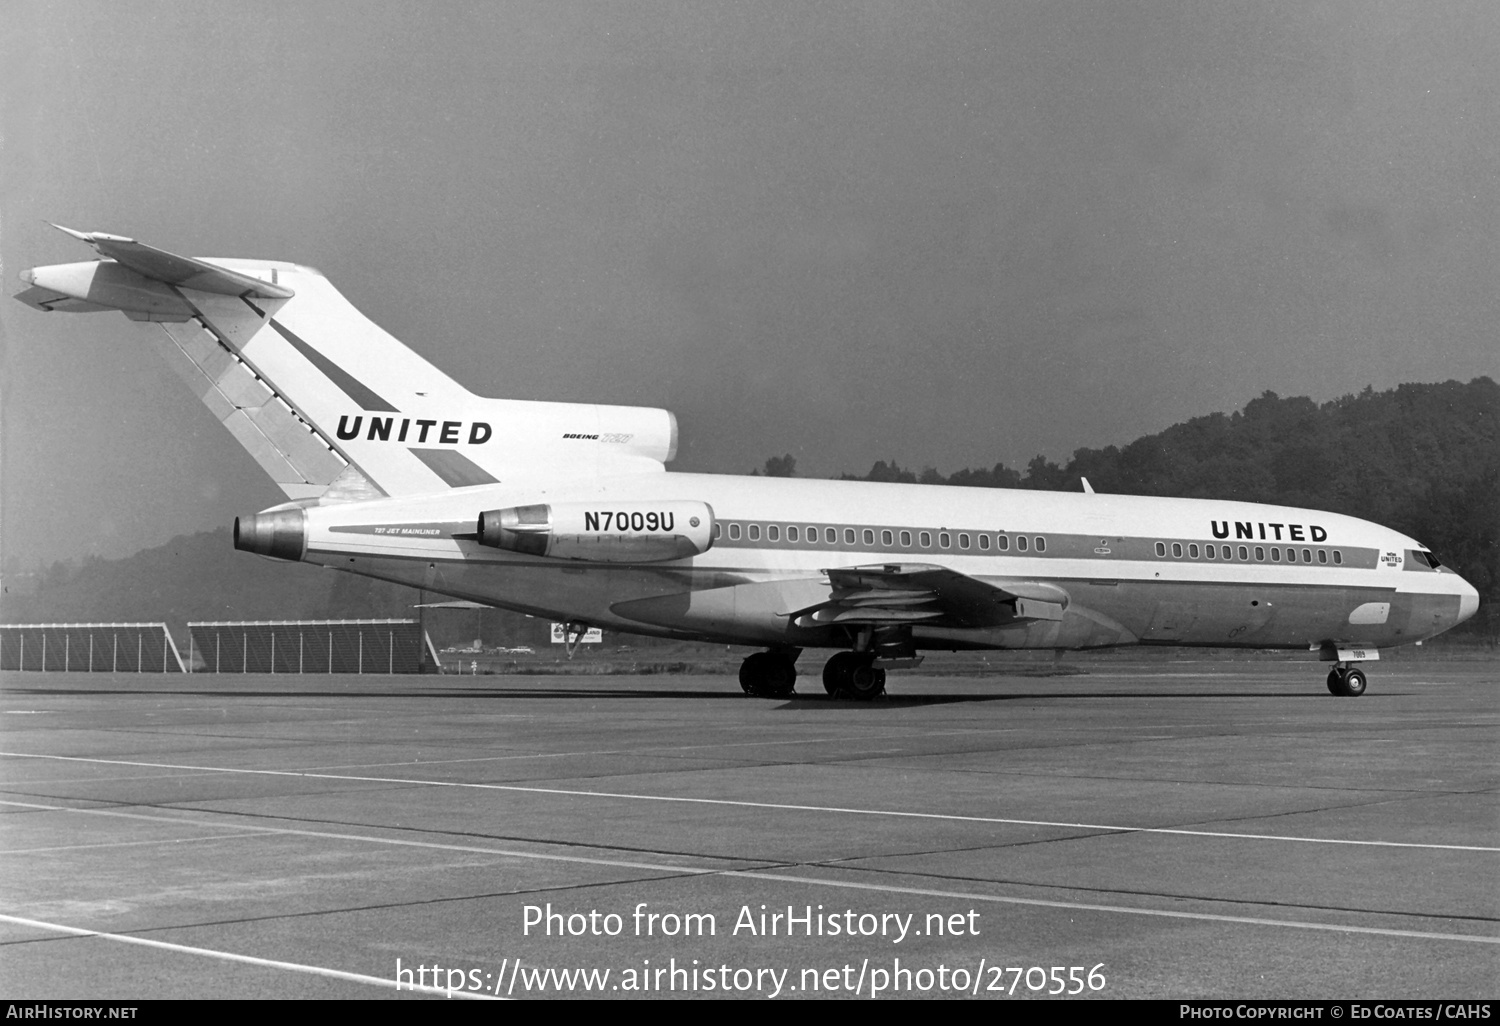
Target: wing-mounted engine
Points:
(624, 532)
(916, 593)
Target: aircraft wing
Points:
(888, 594)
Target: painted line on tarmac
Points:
(1115, 828)
(116, 844)
(255, 828)
(650, 749)
(230, 956)
(763, 875)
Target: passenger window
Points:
(812, 535)
(848, 535)
(1177, 550)
(1041, 544)
(984, 541)
(1322, 555)
(1193, 551)
(926, 539)
(1002, 542)
(963, 541)
(1260, 554)
(734, 532)
(1244, 552)
(754, 532)
(1228, 553)
(831, 536)
(886, 539)
(773, 533)
(1208, 550)
(718, 530)
(1276, 554)
(791, 533)
(1307, 555)
(944, 539)
(906, 539)
(1020, 543)
(869, 537)
(1161, 548)
(1338, 557)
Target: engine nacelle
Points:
(282, 534)
(607, 532)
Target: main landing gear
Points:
(1346, 681)
(770, 674)
(851, 675)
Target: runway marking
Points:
(761, 875)
(781, 806)
(666, 748)
(115, 844)
(230, 956)
(398, 841)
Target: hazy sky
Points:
(946, 234)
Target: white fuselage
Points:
(1133, 569)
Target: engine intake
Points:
(622, 532)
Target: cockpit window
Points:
(1425, 558)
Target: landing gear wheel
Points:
(768, 674)
(866, 682)
(1346, 681)
(850, 675)
(838, 671)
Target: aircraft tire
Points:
(838, 671)
(768, 675)
(1354, 682)
(865, 683)
(752, 672)
(1336, 682)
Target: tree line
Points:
(1423, 459)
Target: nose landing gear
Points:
(1346, 681)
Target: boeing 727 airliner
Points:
(393, 470)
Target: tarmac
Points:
(1169, 829)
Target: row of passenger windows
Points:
(1243, 551)
(811, 535)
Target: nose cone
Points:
(1468, 602)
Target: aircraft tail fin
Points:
(332, 406)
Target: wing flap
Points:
(895, 593)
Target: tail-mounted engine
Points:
(623, 532)
(281, 534)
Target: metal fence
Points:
(89, 647)
(310, 646)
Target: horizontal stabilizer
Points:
(184, 272)
(49, 300)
